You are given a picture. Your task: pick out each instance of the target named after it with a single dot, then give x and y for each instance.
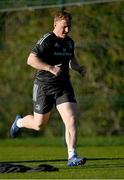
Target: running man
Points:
(52, 56)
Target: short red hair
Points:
(62, 15)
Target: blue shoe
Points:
(14, 128)
(76, 161)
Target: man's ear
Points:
(54, 24)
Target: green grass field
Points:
(105, 157)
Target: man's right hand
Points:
(56, 70)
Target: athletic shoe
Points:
(76, 161)
(14, 128)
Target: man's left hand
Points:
(82, 71)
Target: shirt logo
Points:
(56, 45)
(37, 107)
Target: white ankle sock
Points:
(19, 123)
(71, 152)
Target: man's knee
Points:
(39, 125)
(40, 121)
(71, 122)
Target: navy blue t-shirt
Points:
(54, 51)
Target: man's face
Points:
(62, 28)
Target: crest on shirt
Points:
(64, 49)
(69, 44)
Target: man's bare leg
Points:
(68, 113)
(36, 122)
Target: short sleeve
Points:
(41, 47)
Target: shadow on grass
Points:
(62, 160)
(107, 163)
(96, 159)
(34, 161)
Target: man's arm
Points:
(73, 64)
(38, 64)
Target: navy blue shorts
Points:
(43, 103)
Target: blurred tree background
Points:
(98, 32)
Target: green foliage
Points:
(99, 38)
